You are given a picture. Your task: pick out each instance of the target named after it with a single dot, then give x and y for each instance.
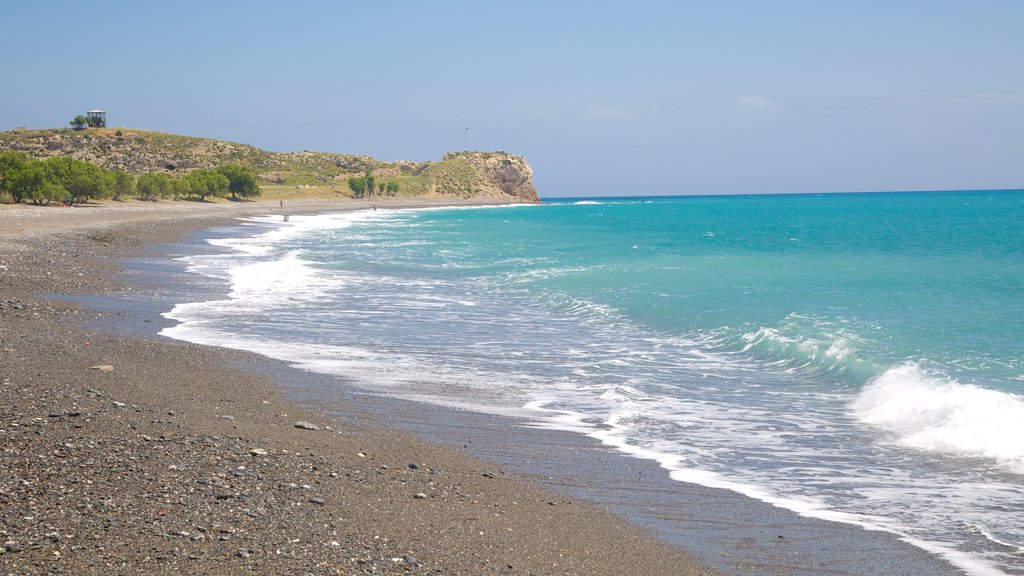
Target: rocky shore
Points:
(124, 454)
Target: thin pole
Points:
(465, 143)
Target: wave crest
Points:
(802, 345)
(934, 413)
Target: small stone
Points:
(102, 368)
(11, 546)
(420, 496)
(228, 417)
(258, 452)
(488, 475)
(118, 404)
(224, 496)
(318, 501)
(242, 553)
(414, 466)
(302, 424)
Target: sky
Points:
(602, 98)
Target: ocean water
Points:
(851, 357)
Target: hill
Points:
(460, 174)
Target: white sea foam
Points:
(480, 207)
(934, 413)
(588, 203)
(704, 407)
(615, 431)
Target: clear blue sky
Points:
(602, 98)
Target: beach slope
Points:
(134, 454)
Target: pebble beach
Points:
(133, 454)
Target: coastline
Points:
(146, 455)
(737, 534)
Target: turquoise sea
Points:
(850, 357)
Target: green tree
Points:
(241, 180)
(380, 188)
(371, 183)
(358, 186)
(178, 187)
(392, 188)
(36, 183)
(122, 184)
(152, 185)
(79, 122)
(203, 183)
(82, 181)
(11, 162)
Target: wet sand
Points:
(132, 454)
(166, 472)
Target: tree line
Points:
(61, 179)
(365, 185)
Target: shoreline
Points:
(27, 220)
(147, 455)
(736, 534)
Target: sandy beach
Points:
(134, 454)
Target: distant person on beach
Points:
(374, 206)
(282, 203)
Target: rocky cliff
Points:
(464, 174)
(493, 172)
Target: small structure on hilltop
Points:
(97, 118)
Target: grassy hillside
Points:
(462, 175)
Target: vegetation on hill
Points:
(141, 152)
(66, 180)
(364, 186)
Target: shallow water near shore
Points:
(849, 358)
(728, 531)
